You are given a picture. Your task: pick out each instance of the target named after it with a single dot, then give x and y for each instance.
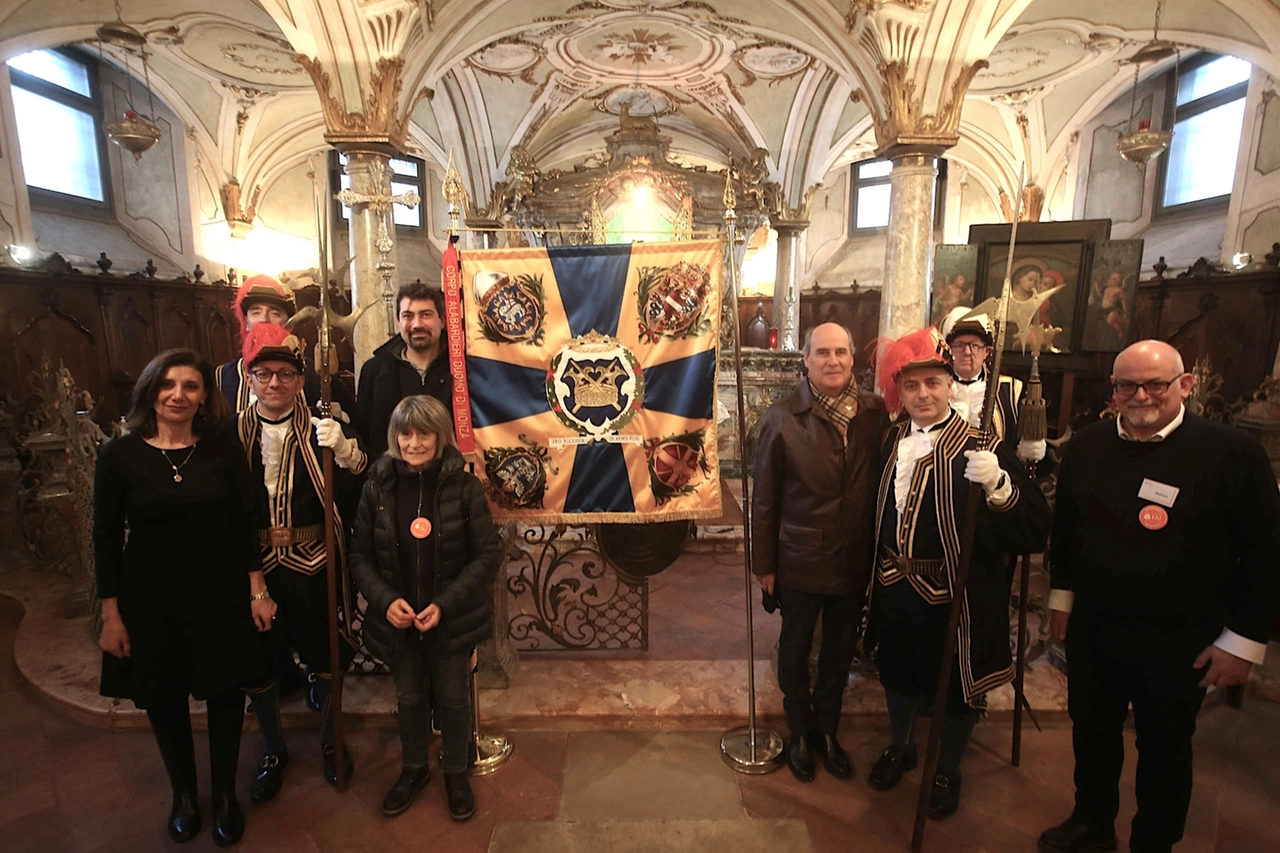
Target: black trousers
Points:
(819, 708)
(1109, 667)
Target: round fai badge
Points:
(420, 528)
(1153, 517)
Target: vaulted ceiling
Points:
(801, 78)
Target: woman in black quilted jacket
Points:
(423, 552)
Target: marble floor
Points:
(616, 752)
(73, 786)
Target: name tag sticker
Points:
(1157, 492)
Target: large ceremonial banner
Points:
(592, 373)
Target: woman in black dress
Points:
(180, 579)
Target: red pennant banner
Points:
(451, 283)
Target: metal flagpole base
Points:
(492, 751)
(488, 752)
(735, 749)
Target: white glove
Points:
(1031, 451)
(984, 468)
(329, 434)
(335, 412)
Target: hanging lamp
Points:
(133, 131)
(1144, 144)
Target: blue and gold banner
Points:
(592, 372)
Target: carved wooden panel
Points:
(105, 329)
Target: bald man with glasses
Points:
(1164, 583)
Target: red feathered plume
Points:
(269, 341)
(924, 348)
(263, 288)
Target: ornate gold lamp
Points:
(133, 131)
(1142, 145)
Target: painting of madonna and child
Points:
(1043, 286)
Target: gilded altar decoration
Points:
(565, 417)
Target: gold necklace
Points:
(177, 478)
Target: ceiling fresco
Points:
(800, 78)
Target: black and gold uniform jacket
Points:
(299, 498)
(928, 530)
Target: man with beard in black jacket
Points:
(414, 362)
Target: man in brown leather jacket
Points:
(813, 536)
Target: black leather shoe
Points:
(402, 793)
(313, 695)
(834, 759)
(270, 777)
(1076, 836)
(328, 752)
(462, 803)
(184, 817)
(800, 759)
(887, 772)
(228, 820)
(944, 797)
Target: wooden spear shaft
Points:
(326, 456)
(960, 583)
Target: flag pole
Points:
(746, 749)
(488, 752)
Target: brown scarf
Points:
(839, 410)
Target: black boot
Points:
(800, 759)
(462, 803)
(228, 820)
(275, 755)
(402, 793)
(267, 783)
(172, 728)
(226, 719)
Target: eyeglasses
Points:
(977, 346)
(264, 376)
(1154, 387)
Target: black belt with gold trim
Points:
(284, 537)
(926, 568)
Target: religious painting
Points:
(1113, 280)
(1047, 279)
(955, 274)
(1043, 284)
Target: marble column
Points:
(374, 278)
(908, 266)
(786, 300)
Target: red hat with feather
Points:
(267, 341)
(263, 288)
(924, 348)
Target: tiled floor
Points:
(76, 787)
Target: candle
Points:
(773, 337)
(1144, 124)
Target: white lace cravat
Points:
(911, 449)
(967, 400)
(273, 436)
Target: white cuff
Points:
(1242, 647)
(1061, 600)
(1000, 495)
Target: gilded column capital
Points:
(900, 118)
(383, 119)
